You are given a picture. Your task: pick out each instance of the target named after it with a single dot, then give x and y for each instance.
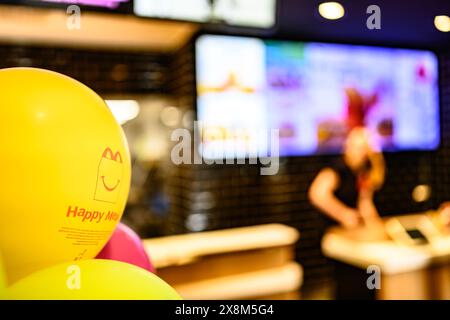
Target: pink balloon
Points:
(126, 246)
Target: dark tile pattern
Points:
(103, 71)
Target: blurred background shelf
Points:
(275, 283)
(248, 262)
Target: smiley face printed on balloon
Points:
(109, 176)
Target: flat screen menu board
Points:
(245, 13)
(119, 6)
(313, 93)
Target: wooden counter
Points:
(407, 271)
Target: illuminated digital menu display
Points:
(120, 6)
(313, 94)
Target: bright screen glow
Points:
(110, 4)
(314, 93)
(250, 13)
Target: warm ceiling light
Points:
(442, 23)
(331, 10)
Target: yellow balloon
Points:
(65, 171)
(2, 280)
(92, 280)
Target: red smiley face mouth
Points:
(107, 187)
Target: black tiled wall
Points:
(442, 163)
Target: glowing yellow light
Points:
(421, 193)
(170, 116)
(331, 10)
(442, 23)
(123, 110)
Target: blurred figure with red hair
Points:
(344, 191)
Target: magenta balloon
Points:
(126, 246)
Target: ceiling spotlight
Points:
(442, 23)
(331, 10)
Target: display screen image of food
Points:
(314, 94)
